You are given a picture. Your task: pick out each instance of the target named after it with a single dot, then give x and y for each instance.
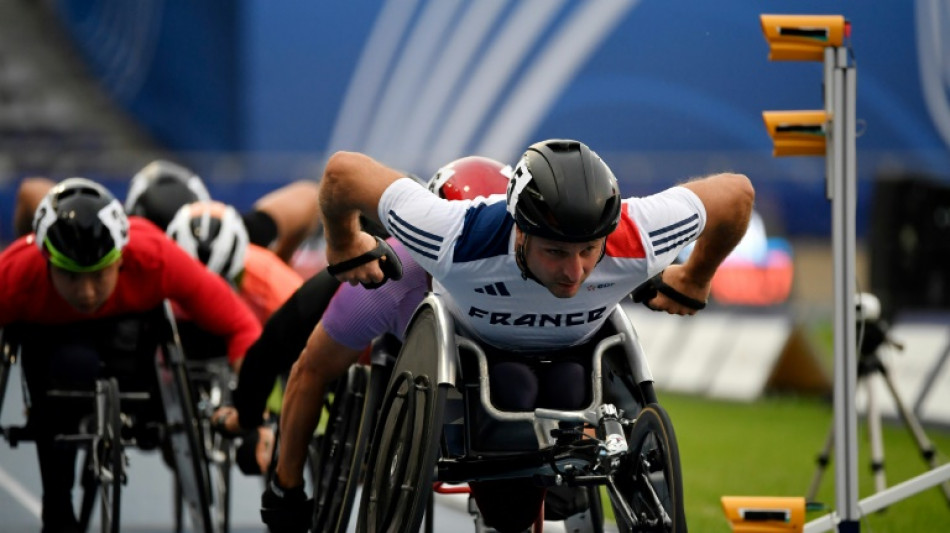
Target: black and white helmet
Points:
(160, 189)
(562, 190)
(79, 226)
(213, 233)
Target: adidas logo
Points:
(494, 289)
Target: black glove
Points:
(286, 510)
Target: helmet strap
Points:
(522, 261)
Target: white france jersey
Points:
(468, 247)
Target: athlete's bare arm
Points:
(295, 209)
(352, 184)
(28, 197)
(322, 361)
(728, 199)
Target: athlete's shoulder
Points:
(625, 241)
(23, 247)
(20, 261)
(486, 231)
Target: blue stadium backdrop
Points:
(663, 90)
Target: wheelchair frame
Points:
(212, 383)
(415, 438)
(182, 429)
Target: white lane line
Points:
(20, 493)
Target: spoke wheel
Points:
(220, 461)
(337, 454)
(111, 467)
(405, 447)
(185, 436)
(400, 473)
(646, 491)
(379, 377)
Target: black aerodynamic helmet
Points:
(562, 190)
(80, 226)
(160, 189)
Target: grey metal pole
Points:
(843, 248)
(829, 95)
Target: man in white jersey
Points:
(536, 272)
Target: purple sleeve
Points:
(357, 315)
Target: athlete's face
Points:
(85, 291)
(562, 267)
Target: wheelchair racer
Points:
(350, 321)
(85, 262)
(215, 234)
(538, 271)
(219, 237)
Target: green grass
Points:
(768, 448)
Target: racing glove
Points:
(286, 510)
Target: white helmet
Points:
(213, 233)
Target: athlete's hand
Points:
(675, 277)
(286, 510)
(225, 420)
(368, 273)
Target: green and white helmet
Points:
(80, 226)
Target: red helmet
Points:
(470, 177)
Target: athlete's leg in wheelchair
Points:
(68, 367)
(522, 383)
(157, 408)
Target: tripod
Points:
(870, 363)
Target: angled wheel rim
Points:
(646, 478)
(390, 473)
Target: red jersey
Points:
(153, 268)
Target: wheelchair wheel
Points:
(337, 456)
(646, 492)
(405, 448)
(211, 387)
(220, 460)
(209, 379)
(103, 469)
(109, 453)
(6, 362)
(378, 378)
(187, 444)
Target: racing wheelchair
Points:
(139, 394)
(437, 423)
(337, 455)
